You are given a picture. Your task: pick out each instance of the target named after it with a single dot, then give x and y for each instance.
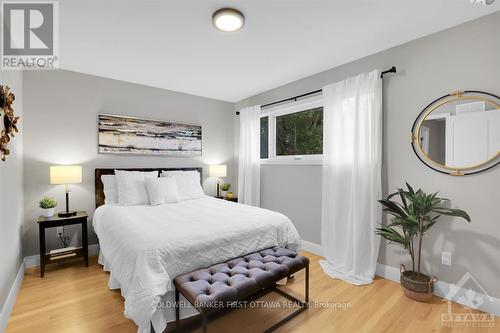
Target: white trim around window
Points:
(272, 113)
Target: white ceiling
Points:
(172, 44)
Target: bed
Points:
(145, 247)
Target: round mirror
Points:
(459, 134)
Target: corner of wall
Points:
(11, 205)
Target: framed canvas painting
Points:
(130, 135)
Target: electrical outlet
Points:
(59, 230)
(446, 258)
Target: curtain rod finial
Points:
(391, 70)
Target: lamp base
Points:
(66, 214)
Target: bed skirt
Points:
(165, 312)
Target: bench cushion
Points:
(238, 278)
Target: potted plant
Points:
(412, 217)
(47, 205)
(224, 188)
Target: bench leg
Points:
(204, 323)
(302, 304)
(307, 285)
(177, 311)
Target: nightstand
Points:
(56, 221)
(233, 199)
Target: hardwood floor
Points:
(72, 298)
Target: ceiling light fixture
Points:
(228, 19)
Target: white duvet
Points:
(146, 247)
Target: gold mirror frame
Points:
(417, 126)
(9, 121)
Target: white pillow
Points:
(131, 187)
(188, 183)
(162, 190)
(109, 189)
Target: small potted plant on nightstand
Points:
(224, 188)
(47, 205)
(412, 217)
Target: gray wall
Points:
(11, 194)
(61, 109)
(464, 57)
(294, 190)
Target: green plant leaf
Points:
(407, 222)
(47, 202)
(428, 226)
(393, 208)
(410, 189)
(392, 235)
(453, 212)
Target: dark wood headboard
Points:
(99, 188)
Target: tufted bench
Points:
(241, 279)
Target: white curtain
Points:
(352, 158)
(249, 156)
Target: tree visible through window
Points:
(299, 133)
(264, 137)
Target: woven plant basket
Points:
(420, 289)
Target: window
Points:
(300, 133)
(292, 134)
(264, 137)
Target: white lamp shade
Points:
(66, 174)
(217, 170)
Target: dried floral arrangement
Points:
(9, 120)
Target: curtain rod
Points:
(295, 98)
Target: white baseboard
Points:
(450, 291)
(11, 298)
(31, 261)
(387, 272)
(311, 247)
(34, 260)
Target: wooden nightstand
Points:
(56, 221)
(233, 199)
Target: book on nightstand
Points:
(66, 252)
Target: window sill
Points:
(305, 161)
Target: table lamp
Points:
(66, 174)
(217, 171)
